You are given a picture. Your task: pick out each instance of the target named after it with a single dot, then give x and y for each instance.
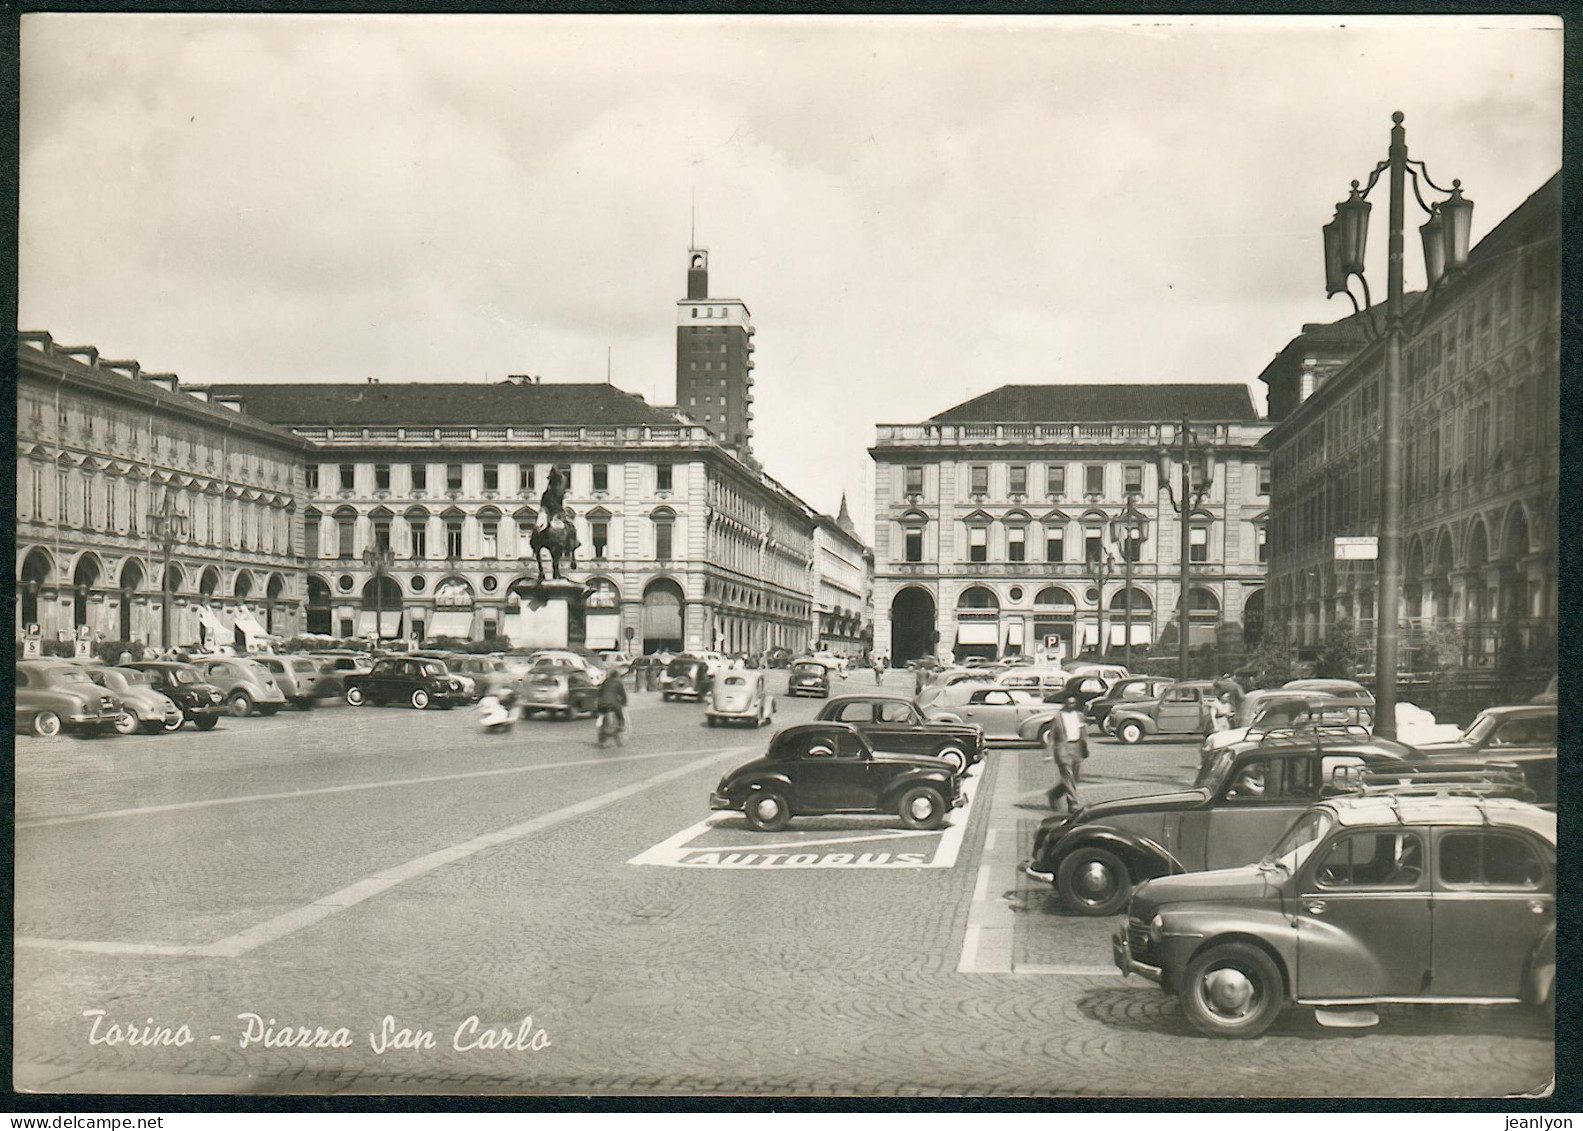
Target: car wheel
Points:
(1232, 990)
(173, 724)
(354, 696)
(1093, 881)
(206, 722)
(1130, 732)
(1044, 736)
(241, 704)
(46, 724)
(420, 699)
(767, 810)
(127, 724)
(955, 755)
(922, 808)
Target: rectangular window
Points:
(1093, 543)
(599, 531)
(1055, 480)
(1016, 543)
(662, 477)
(419, 533)
(662, 541)
(382, 535)
(980, 479)
(347, 476)
(1094, 479)
(1261, 541)
(914, 544)
(453, 477)
(1264, 479)
(1019, 479)
(491, 539)
(1134, 479)
(914, 483)
(311, 530)
(381, 477)
(491, 477)
(525, 477)
(566, 475)
(1054, 549)
(420, 477)
(1198, 544)
(524, 535)
(601, 477)
(453, 539)
(311, 474)
(346, 529)
(978, 544)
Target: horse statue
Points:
(560, 539)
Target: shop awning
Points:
(602, 629)
(1090, 634)
(982, 633)
(1141, 634)
(215, 630)
(449, 622)
(389, 623)
(1014, 634)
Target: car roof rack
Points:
(1466, 781)
(1303, 732)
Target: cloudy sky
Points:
(915, 210)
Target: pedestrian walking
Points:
(879, 670)
(1219, 714)
(1068, 747)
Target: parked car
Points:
(685, 677)
(1524, 736)
(300, 678)
(558, 688)
(1002, 713)
(1550, 694)
(422, 682)
(820, 768)
(247, 685)
(143, 707)
(336, 667)
(1349, 689)
(1084, 688)
(54, 696)
(1042, 682)
(740, 696)
(893, 723)
(201, 702)
(1110, 673)
(1122, 691)
(808, 677)
(1181, 708)
(1239, 806)
(1365, 899)
(1282, 708)
(487, 675)
(595, 671)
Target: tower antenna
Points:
(692, 231)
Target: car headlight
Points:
(1156, 929)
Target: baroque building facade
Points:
(988, 515)
(843, 580)
(1481, 466)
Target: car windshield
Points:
(806, 668)
(304, 666)
(553, 667)
(1479, 729)
(182, 675)
(1214, 773)
(736, 681)
(432, 670)
(1293, 848)
(70, 675)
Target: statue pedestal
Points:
(541, 615)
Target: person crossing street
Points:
(1068, 747)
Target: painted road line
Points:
(988, 937)
(981, 888)
(1070, 971)
(296, 794)
(299, 918)
(86, 947)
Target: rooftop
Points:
(433, 404)
(1110, 402)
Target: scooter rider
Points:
(612, 706)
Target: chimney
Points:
(227, 400)
(166, 381)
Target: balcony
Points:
(557, 436)
(1023, 434)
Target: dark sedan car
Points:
(1240, 805)
(1123, 692)
(822, 768)
(1524, 736)
(201, 703)
(809, 677)
(893, 723)
(422, 683)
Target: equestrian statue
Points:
(556, 533)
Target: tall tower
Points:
(714, 358)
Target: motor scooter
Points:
(499, 713)
(611, 726)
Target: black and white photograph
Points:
(787, 555)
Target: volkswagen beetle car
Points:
(201, 702)
(54, 696)
(1365, 899)
(298, 678)
(740, 696)
(1182, 708)
(1002, 713)
(820, 768)
(893, 723)
(247, 685)
(1122, 692)
(1239, 806)
(397, 679)
(145, 708)
(808, 677)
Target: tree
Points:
(1338, 655)
(1271, 661)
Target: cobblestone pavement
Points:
(334, 868)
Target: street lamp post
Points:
(1101, 569)
(1202, 453)
(1445, 240)
(1129, 530)
(378, 558)
(168, 527)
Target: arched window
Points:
(664, 521)
(346, 533)
(978, 597)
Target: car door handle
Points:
(1315, 906)
(1536, 907)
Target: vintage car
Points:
(201, 702)
(594, 670)
(246, 684)
(820, 768)
(1132, 689)
(422, 682)
(1002, 713)
(1551, 693)
(145, 708)
(1239, 806)
(1036, 680)
(1262, 710)
(1524, 736)
(685, 677)
(336, 667)
(558, 687)
(489, 676)
(301, 679)
(54, 695)
(893, 723)
(808, 677)
(1349, 689)
(1083, 688)
(1181, 708)
(1366, 899)
(1110, 673)
(740, 696)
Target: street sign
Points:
(1365, 548)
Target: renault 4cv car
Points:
(1239, 806)
(821, 768)
(1367, 899)
(201, 703)
(1002, 713)
(1182, 708)
(394, 679)
(808, 677)
(740, 696)
(145, 708)
(53, 695)
(893, 723)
